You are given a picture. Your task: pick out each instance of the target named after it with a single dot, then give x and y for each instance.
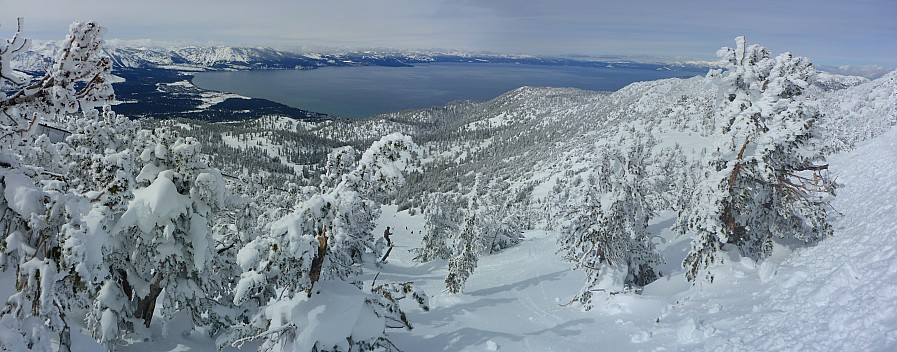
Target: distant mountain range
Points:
(156, 80)
(199, 58)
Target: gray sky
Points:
(829, 32)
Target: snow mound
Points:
(327, 319)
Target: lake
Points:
(358, 92)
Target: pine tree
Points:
(606, 234)
(465, 253)
(767, 178)
(440, 224)
(499, 219)
(339, 162)
(38, 204)
(163, 240)
(311, 255)
(253, 209)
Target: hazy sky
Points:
(833, 32)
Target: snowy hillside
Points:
(858, 113)
(832, 296)
(837, 295)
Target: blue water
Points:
(357, 92)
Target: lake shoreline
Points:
(365, 91)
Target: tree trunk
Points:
(125, 285)
(146, 305)
(728, 212)
(317, 264)
(65, 337)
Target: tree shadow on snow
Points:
(519, 286)
(442, 316)
(567, 328)
(466, 338)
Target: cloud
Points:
(868, 71)
(858, 32)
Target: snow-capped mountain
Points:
(221, 57)
(189, 58)
(192, 58)
(833, 81)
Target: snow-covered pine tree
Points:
(339, 162)
(311, 255)
(606, 234)
(37, 204)
(76, 82)
(441, 217)
(491, 222)
(163, 240)
(465, 255)
(767, 178)
(253, 208)
(105, 169)
(499, 219)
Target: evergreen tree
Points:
(339, 162)
(311, 255)
(163, 240)
(37, 204)
(767, 178)
(440, 224)
(499, 218)
(606, 234)
(253, 208)
(465, 253)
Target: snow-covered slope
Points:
(535, 134)
(857, 113)
(833, 81)
(836, 296)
